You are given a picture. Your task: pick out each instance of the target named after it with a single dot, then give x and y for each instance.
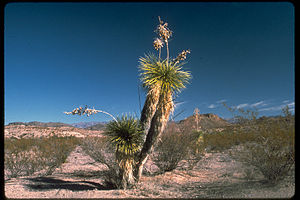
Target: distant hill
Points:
(99, 126)
(86, 124)
(205, 121)
(41, 124)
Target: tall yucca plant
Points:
(169, 79)
(126, 136)
(154, 74)
(166, 77)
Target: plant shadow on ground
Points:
(49, 183)
(86, 174)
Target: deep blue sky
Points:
(59, 56)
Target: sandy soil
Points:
(215, 176)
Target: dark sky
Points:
(59, 56)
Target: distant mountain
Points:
(99, 126)
(41, 124)
(86, 124)
(232, 120)
(205, 122)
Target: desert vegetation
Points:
(26, 156)
(267, 144)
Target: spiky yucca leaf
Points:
(169, 76)
(125, 134)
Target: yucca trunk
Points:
(149, 110)
(126, 175)
(157, 126)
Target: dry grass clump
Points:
(26, 156)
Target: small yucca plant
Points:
(126, 136)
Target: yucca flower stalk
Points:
(181, 56)
(164, 33)
(158, 44)
(88, 111)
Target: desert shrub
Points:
(265, 143)
(272, 151)
(170, 150)
(55, 151)
(219, 141)
(196, 148)
(174, 147)
(25, 156)
(21, 157)
(101, 150)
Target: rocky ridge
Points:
(23, 131)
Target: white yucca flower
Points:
(158, 44)
(181, 56)
(163, 31)
(88, 112)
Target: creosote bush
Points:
(26, 156)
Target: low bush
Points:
(196, 148)
(26, 156)
(55, 151)
(266, 143)
(169, 151)
(21, 157)
(174, 147)
(101, 150)
(272, 151)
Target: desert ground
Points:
(216, 175)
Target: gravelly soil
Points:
(215, 176)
